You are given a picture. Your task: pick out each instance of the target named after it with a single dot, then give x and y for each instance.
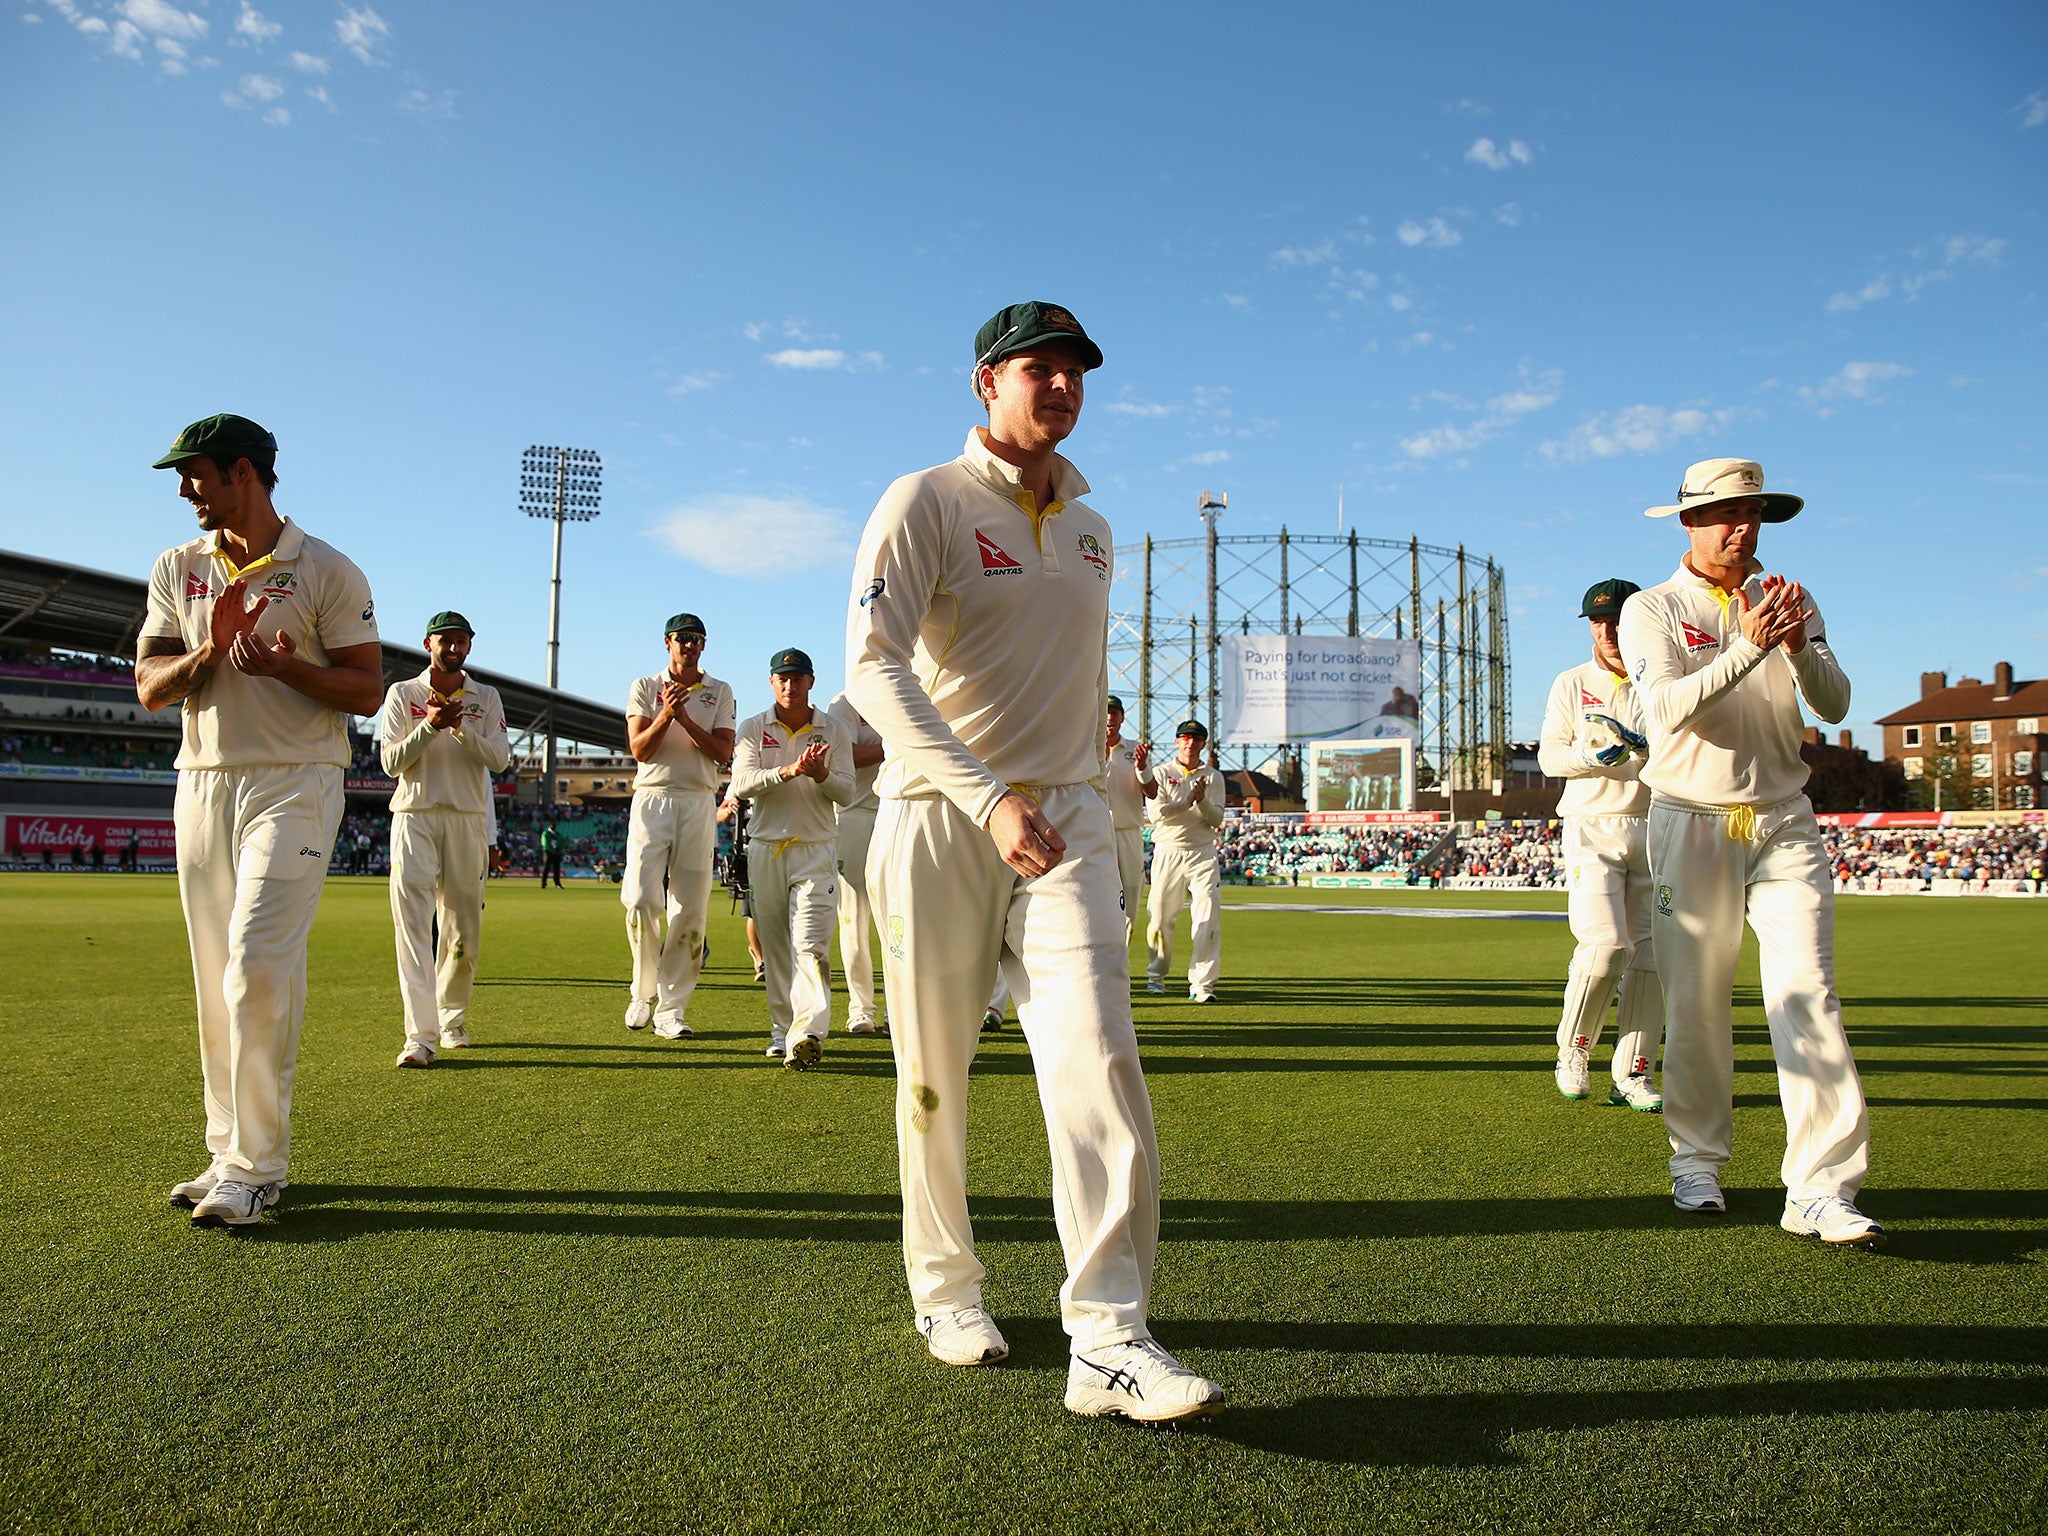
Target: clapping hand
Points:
(230, 621)
(1141, 755)
(1794, 601)
(444, 714)
(252, 656)
(816, 761)
(1778, 618)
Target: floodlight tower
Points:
(1210, 507)
(561, 483)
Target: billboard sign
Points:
(1360, 777)
(1317, 687)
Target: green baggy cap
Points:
(448, 619)
(223, 439)
(1604, 598)
(1020, 327)
(792, 661)
(684, 624)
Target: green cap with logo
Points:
(1192, 728)
(685, 624)
(791, 662)
(1115, 703)
(448, 621)
(1020, 327)
(223, 439)
(1604, 598)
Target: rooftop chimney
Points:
(1847, 742)
(2003, 676)
(1932, 683)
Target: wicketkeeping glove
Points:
(1633, 741)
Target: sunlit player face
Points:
(792, 691)
(1724, 537)
(1607, 644)
(449, 650)
(1115, 717)
(685, 653)
(1189, 750)
(1034, 398)
(215, 496)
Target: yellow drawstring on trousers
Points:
(1742, 823)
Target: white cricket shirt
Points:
(317, 595)
(678, 762)
(800, 809)
(977, 633)
(1189, 806)
(442, 770)
(1723, 715)
(1591, 790)
(1120, 785)
(864, 735)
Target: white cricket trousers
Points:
(1707, 882)
(669, 839)
(1191, 878)
(1608, 897)
(253, 849)
(438, 862)
(856, 915)
(796, 894)
(951, 911)
(1130, 869)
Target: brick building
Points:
(1973, 746)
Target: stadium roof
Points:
(45, 603)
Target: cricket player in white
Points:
(1722, 658)
(442, 735)
(1593, 739)
(679, 728)
(1186, 871)
(796, 764)
(266, 687)
(856, 832)
(977, 645)
(1127, 781)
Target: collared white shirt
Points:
(316, 595)
(864, 735)
(1591, 790)
(442, 770)
(1120, 784)
(799, 809)
(1189, 806)
(678, 762)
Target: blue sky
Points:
(1499, 272)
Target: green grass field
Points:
(581, 1279)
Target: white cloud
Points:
(262, 87)
(1435, 233)
(1398, 302)
(1150, 410)
(756, 537)
(1509, 214)
(2034, 110)
(695, 383)
(278, 117)
(363, 33)
(421, 102)
(1498, 157)
(1633, 429)
(1321, 254)
(1238, 300)
(319, 93)
(1856, 381)
(127, 40)
(1469, 107)
(1539, 391)
(826, 359)
(1957, 251)
(159, 18)
(255, 26)
(1207, 458)
(309, 63)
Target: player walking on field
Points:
(1593, 739)
(1127, 780)
(679, 727)
(977, 645)
(442, 735)
(856, 832)
(1722, 657)
(268, 639)
(1187, 808)
(795, 764)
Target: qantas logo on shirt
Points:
(995, 560)
(196, 589)
(1696, 639)
(768, 739)
(1587, 701)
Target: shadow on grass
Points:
(1474, 1429)
(315, 1213)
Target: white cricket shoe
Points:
(188, 1194)
(639, 1013)
(1140, 1381)
(417, 1053)
(966, 1337)
(1574, 1078)
(1201, 997)
(231, 1203)
(861, 1026)
(992, 1019)
(804, 1052)
(1635, 1091)
(454, 1038)
(670, 1026)
(776, 1048)
(1699, 1193)
(1833, 1220)
(761, 971)
(1156, 988)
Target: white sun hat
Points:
(1713, 481)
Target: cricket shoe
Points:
(1635, 1091)
(761, 971)
(1156, 988)
(776, 1049)
(1139, 1381)
(188, 1194)
(1698, 1193)
(417, 1053)
(966, 1337)
(670, 1026)
(993, 1020)
(231, 1203)
(862, 1027)
(1574, 1078)
(804, 1052)
(455, 1038)
(1833, 1220)
(639, 1013)
(1201, 997)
